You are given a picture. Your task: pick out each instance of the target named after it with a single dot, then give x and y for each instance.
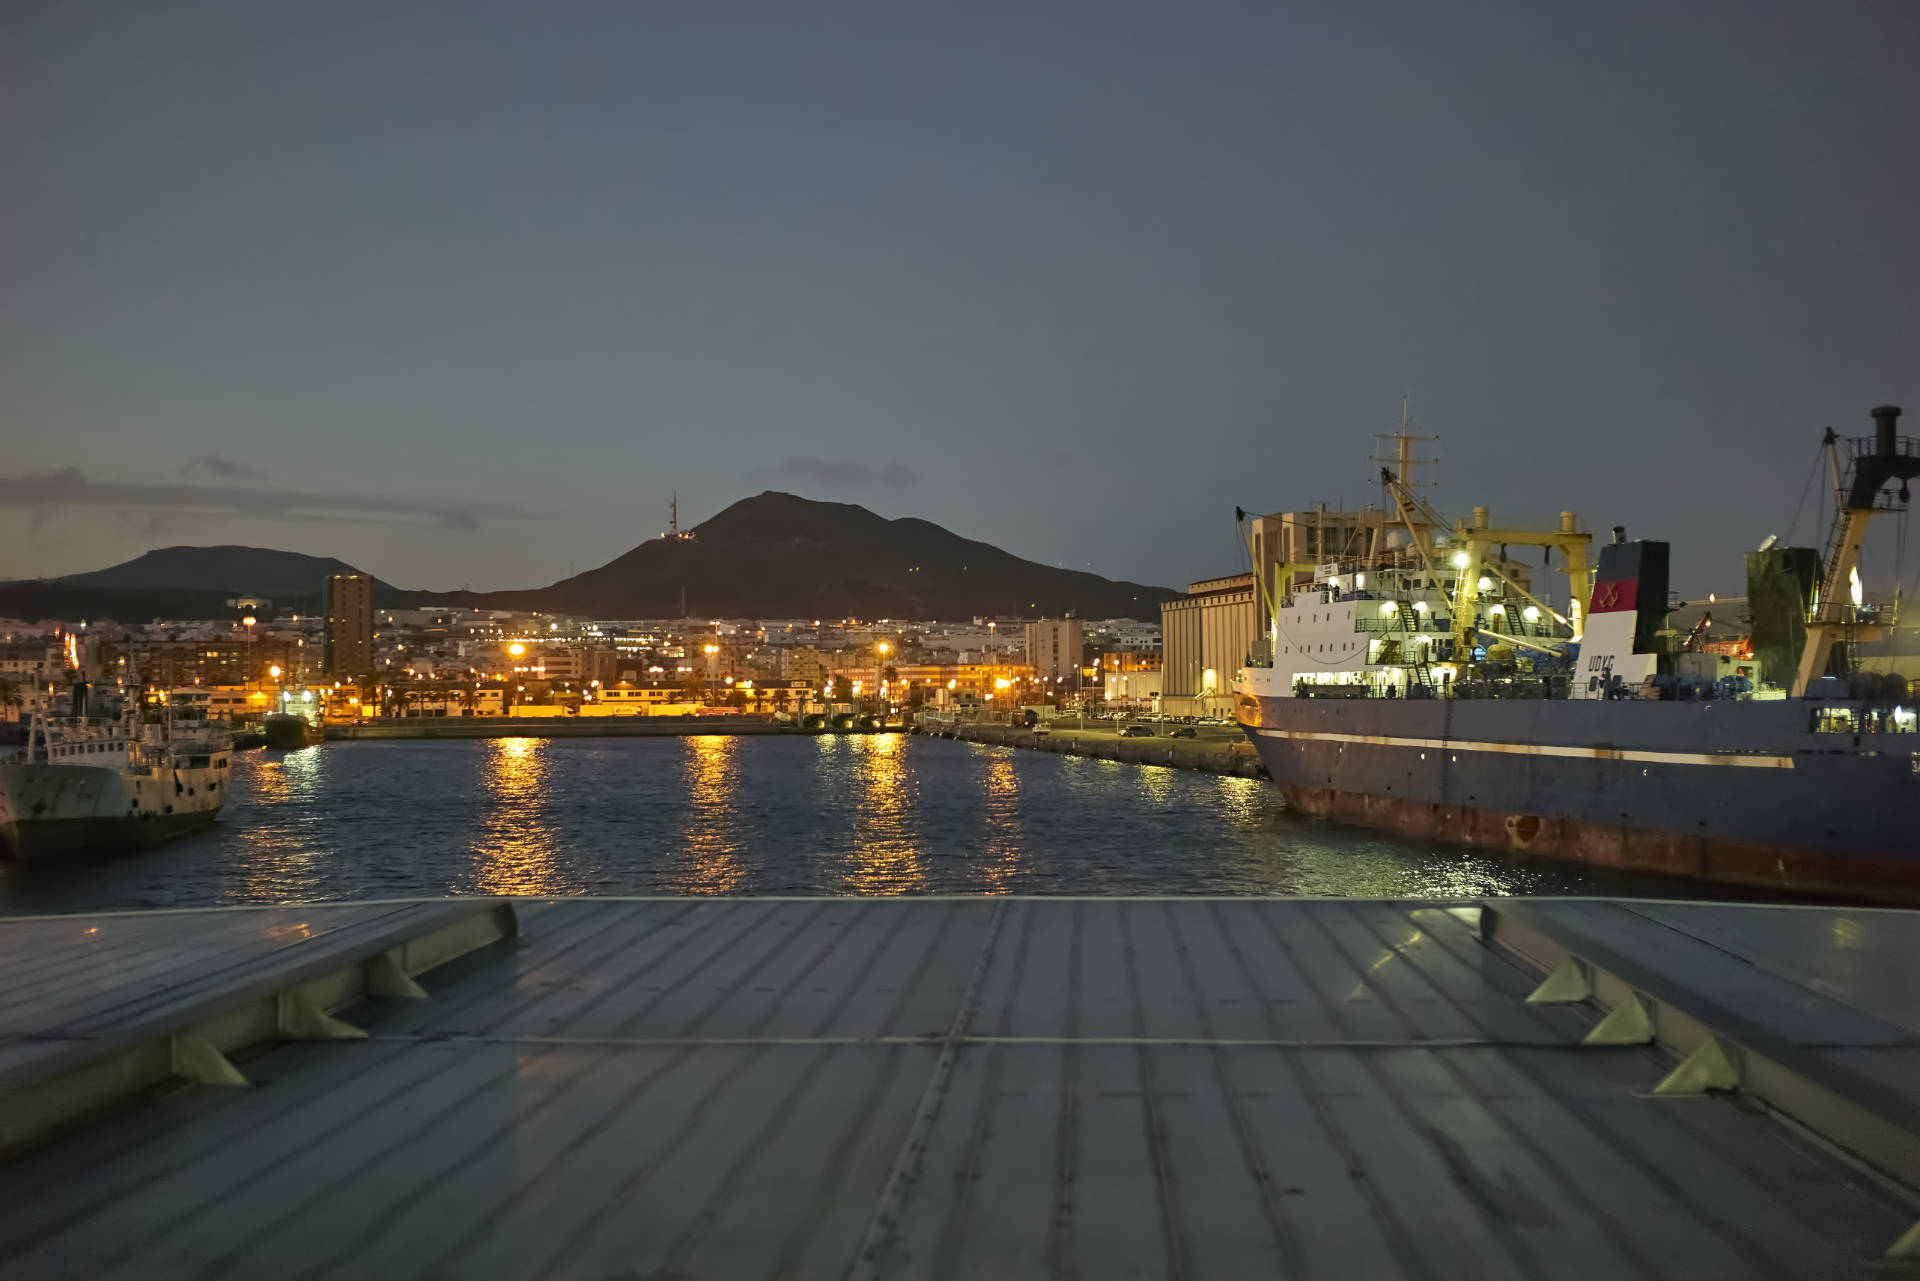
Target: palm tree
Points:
(9, 695)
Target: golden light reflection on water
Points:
(1156, 782)
(712, 840)
(886, 858)
(1001, 859)
(285, 779)
(517, 852)
(277, 862)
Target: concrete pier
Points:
(562, 727)
(970, 1087)
(1218, 755)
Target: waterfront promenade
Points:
(822, 1087)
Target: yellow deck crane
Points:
(1471, 563)
(1873, 463)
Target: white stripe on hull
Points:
(1734, 759)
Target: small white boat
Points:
(85, 785)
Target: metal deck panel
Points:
(1014, 1088)
(133, 977)
(1860, 956)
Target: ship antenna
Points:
(1398, 484)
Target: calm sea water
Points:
(832, 814)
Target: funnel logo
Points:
(1617, 594)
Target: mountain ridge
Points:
(222, 567)
(770, 555)
(778, 555)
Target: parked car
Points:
(1185, 731)
(1137, 731)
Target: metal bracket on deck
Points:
(1571, 982)
(387, 976)
(1627, 1023)
(300, 1019)
(195, 1059)
(1907, 1247)
(1709, 1067)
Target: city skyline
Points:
(463, 302)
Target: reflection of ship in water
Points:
(94, 784)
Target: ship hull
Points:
(1735, 793)
(50, 811)
(36, 841)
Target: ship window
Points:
(1833, 720)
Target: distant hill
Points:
(187, 582)
(73, 602)
(781, 556)
(237, 571)
(771, 556)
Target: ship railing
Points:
(1869, 446)
(1406, 622)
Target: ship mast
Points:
(1397, 478)
(1874, 462)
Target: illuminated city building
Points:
(347, 605)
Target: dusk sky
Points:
(461, 293)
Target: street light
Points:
(712, 659)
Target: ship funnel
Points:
(1885, 441)
(1619, 533)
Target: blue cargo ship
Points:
(1429, 691)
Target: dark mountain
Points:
(33, 600)
(187, 582)
(250, 571)
(780, 556)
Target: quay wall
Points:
(1237, 758)
(556, 727)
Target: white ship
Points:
(85, 785)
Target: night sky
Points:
(461, 293)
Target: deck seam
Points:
(865, 1265)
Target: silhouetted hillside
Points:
(251, 571)
(781, 556)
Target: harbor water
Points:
(883, 814)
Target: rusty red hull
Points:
(1625, 848)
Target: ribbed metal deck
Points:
(958, 1088)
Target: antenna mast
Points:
(1404, 442)
(1410, 509)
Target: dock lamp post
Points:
(279, 690)
(879, 686)
(713, 659)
